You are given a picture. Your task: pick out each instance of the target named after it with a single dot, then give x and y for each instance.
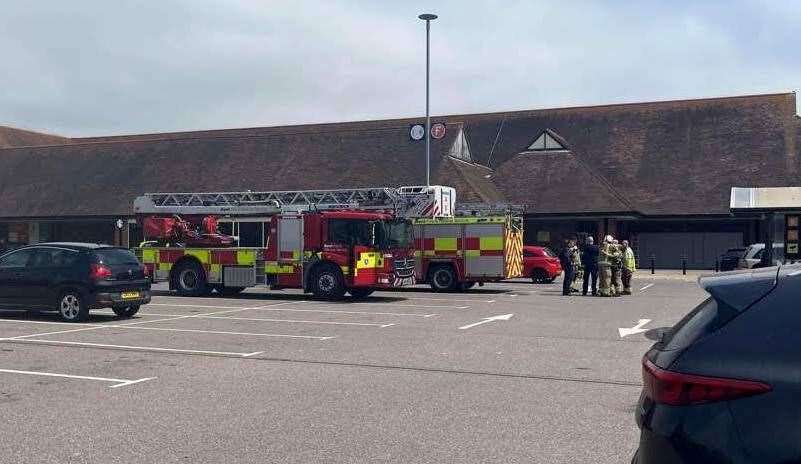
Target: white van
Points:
(753, 255)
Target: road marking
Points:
(468, 300)
(117, 382)
(56, 332)
(398, 305)
(202, 306)
(333, 311)
(126, 347)
(502, 317)
(646, 287)
(297, 321)
(218, 332)
(626, 331)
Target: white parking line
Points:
(352, 304)
(54, 333)
(117, 382)
(129, 347)
(646, 287)
(467, 300)
(219, 332)
(296, 321)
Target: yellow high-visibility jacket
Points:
(628, 260)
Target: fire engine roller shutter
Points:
(488, 259)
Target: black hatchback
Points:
(724, 384)
(73, 278)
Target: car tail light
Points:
(99, 272)
(679, 389)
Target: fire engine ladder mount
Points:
(261, 203)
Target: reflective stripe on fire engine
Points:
(369, 260)
(201, 255)
(165, 266)
(462, 220)
(273, 267)
(472, 253)
(246, 257)
(445, 243)
(150, 256)
(215, 273)
(491, 243)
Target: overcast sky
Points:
(86, 67)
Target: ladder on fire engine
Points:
(267, 203)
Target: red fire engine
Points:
(327, 242)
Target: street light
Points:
(427, 17)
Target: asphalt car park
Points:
(509, 372)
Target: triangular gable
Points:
(460, 149)
(546, 141)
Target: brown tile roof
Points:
(12, 137)
(659, 158)
(102, 178)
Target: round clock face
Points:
(417, 132)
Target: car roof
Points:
(71, 245)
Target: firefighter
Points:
(589, 261)
(566, 260)
(629, 266)
(605, 257)
(617, 269)
(578, 269)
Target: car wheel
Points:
(72, 307)
(443, 279)
(328, 283)
(189, 279)
(127, 311)
(539, 276)
(360, 293)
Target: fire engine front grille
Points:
(404, 267)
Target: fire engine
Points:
(326, 242)
(479, 243)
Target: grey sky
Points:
(97, 67)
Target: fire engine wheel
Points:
(328, 283)
(443, 279)
(360, 293)
(189, 279)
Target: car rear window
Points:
(115, 256)
(547, 252)
(705, 319)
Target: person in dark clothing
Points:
(565, 259)
(589, 259)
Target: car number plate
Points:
(129, 295)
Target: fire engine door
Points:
(290, 244)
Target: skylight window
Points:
(546, 142)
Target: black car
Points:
(72, 278)
(730, 260)
(724, 384)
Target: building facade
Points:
(658, 173)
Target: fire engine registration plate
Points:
(129, 295)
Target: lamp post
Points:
(428, 18)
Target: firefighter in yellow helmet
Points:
(605, 258)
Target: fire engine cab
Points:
(326, 242)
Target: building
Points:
(658, 173)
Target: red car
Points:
(541, 264)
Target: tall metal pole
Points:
(428, 116)
(428, 18)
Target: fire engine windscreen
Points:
(396, 233)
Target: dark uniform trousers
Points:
(590, 273)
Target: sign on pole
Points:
(438, 130)
(417, 132)
(791, 239)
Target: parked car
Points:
(722, 385)
(541, 264)
(730, 260)
(73, 278)
(753, 255)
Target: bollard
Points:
(717, 265)
(653, 264)
(683, 265)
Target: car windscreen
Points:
(115, 256)
(549, 253)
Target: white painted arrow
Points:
(502, 317)
(625, 331)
